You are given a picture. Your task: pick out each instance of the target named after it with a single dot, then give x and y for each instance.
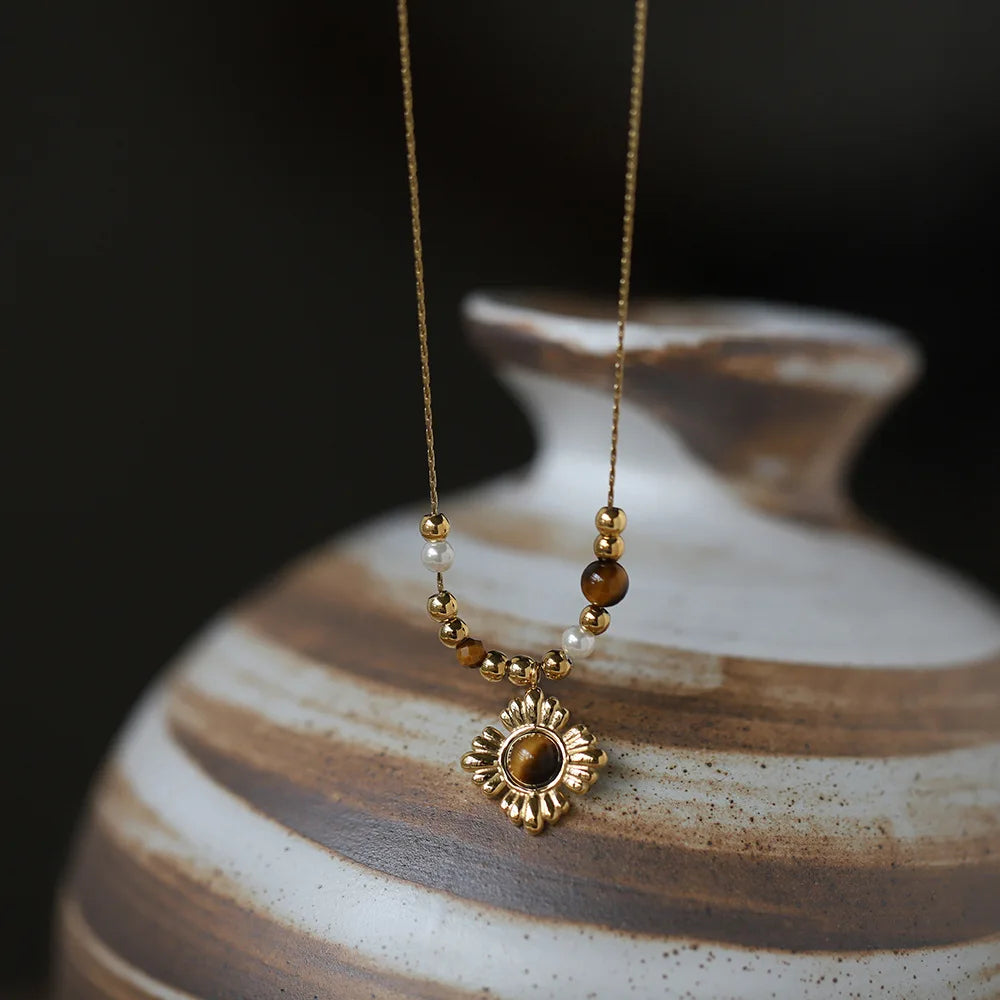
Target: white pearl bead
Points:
(437, 556)
(578, 642)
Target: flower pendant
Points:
(532, 764)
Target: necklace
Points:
(540, 756)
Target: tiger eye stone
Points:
(470, 652)
(534, 760)
(604, 583)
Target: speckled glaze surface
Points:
(802, 721)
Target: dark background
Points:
(208, 335)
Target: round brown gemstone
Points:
(534, 760)
(604, 583)
(470, 652)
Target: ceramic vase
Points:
(802, 720)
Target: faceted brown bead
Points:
(604, 583)
(470, 652)
(534, 760)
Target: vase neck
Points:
(766, 403)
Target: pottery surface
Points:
(802, 719)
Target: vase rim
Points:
(656, 322)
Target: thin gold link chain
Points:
(628, 228)
(418, 249)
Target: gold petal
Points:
(546, 709)
(511, 805)
(559, 717)
(555, 805)
(549, 811)
(494, 785)
(493, 735)
(576, 784)
(529, 704)
(511, 715)
(483, 773)
(583, 772)
(474, 761)
(531, 815)
(577, 736)
(591, 756)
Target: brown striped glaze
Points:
(798, 801)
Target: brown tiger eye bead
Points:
(534, 760)
(604, 583)
(470, 653)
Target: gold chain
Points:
(418, 247)
(628, 227)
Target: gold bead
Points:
(610, 520)
(556, 664)
(609, 547)
(434, 527)
(453, 631)
(442, 606)
(595, 619)
(494, 665)
(522, 670)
